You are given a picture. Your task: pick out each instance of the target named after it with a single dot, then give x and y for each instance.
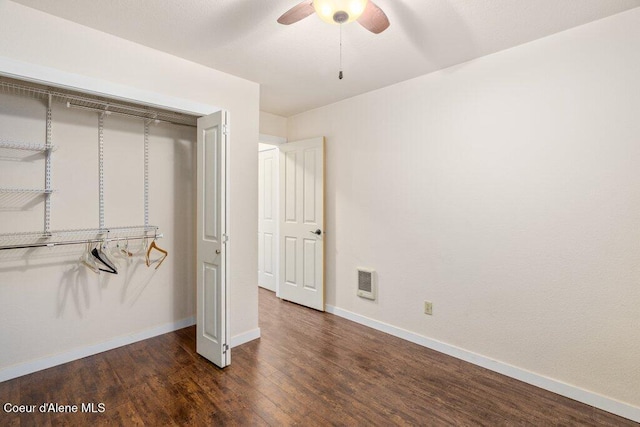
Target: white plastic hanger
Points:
(89, 261)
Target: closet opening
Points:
(98, 203)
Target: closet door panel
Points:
(211, 324)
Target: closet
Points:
(79, 174)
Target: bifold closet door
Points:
(211, 327)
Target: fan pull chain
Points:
(340, 73)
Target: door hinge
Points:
(225, 348)
(225, 129)
(225, 238)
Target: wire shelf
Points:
(84, 231)
(25, 146)
(36, 239)
(99, 104)
(12, 88)
(26, 190)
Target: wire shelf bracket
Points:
(48, 170)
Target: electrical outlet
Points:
(428, 308)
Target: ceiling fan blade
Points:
(296, 13)
(374, 19)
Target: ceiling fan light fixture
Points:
(339, 11)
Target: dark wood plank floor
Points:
(341, 373)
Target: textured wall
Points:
(505, 190)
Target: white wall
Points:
(505, 190)
(273, 125)
(34, 37)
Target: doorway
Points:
(268, 213)
(291, 221)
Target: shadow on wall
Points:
(74, 284)
(78, 282)
(132, 279)
(184, 224)
(74, 288)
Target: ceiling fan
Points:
(367, 13)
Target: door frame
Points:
(265, 143)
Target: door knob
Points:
(317, 232)
(218, 251)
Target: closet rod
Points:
(117, 113)
(77, 242)
(100, 104)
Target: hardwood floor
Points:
(341, 374)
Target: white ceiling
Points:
(297, 65)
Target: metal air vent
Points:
(366, 283)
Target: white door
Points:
(302, 222)
(267, 224)
(211, 326)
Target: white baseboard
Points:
(245, 337)
(78, 353)
(590, 398)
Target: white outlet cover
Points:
(428, 308)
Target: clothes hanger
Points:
(153, 246)
(88, 261)
(102, 257)
(125, 251)
(142, 250)
(113, 252)
(120, 251)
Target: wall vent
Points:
(366, 283)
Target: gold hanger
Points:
(153, 246)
